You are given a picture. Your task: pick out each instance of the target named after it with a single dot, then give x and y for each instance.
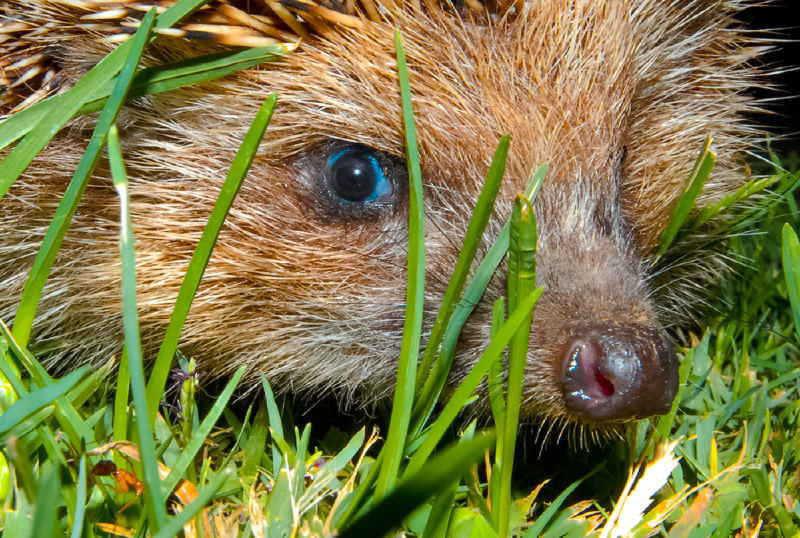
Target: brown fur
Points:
(615, 96)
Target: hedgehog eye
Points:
(355, 176)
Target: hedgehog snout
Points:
(614, 372)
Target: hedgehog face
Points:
(307, 281)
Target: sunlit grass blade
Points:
(697, 178)
(470, 299)
(411, 492)
(30, 403)
(23, 322)
(427, 381)
(392, 452)
(197, 265)
(550, 512)
(275, 423)
(59, 110)
(521, 282)
(154, 502)
(204, 496)
(189, 452)
(80, 502)
(791, 270)
(463, 393)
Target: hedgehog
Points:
(307, 280)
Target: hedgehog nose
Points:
(612, 372)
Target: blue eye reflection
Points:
(356, 176)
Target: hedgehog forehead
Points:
(552, 77)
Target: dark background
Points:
(781, 23)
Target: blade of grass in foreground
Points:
(697, 178)
(68, 418)
(197, 265)
(275, 424)
(436, 475)
(148, 81)
(32, 402)
(412, 328)
(120, 421)
(469, 300)
(464, 391)
(154, 500)
(791, 270)
(427, 383)
(61, 108)
(163, 78)
(26, 312)
(521, 282)
(188, 453)
(80, 501)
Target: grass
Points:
(722, 462)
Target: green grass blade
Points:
(465, 390)
(791, 269)
(189, 452)
(69, 420)
(47, 501)
(175, 525)
(154, 501)
(332, 467)
(148, 81)
(80, 503)
(256, 441)
(32, 402)
(521, 282)
(69, 203)
(121, 395)
(410, 493)
(412, 328)
(298, 482)
(441, 511)
(473, 294)
(241, 164)
(697, 178)
(163, 78)
(494, 382)
(11, 387)
(434, 372)
(27, 360)
(48, 117)
(275, 424)
(445, 502)
(543, 520)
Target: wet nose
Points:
(613, 372)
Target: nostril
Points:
(613, 372)
(584, 378)
(605, 385)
